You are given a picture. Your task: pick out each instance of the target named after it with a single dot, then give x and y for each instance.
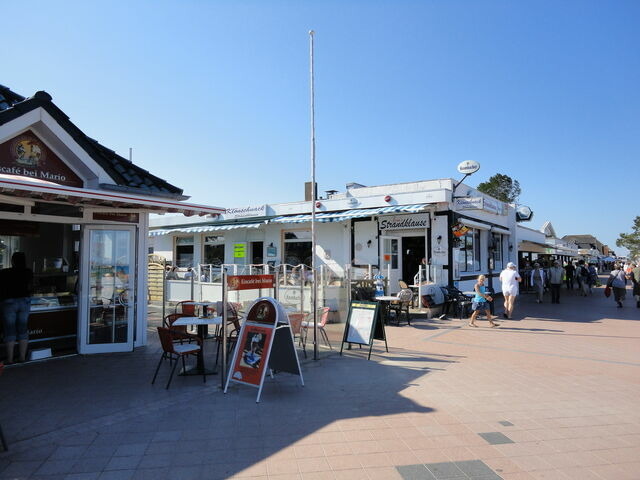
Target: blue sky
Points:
(213, 95)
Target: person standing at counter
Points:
(15, 289)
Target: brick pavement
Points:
(554, 394)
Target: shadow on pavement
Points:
(75, 415)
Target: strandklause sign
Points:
(403, 222)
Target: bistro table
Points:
(201, 323)
(385, 301)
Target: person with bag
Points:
(618, 283)
(538, 281)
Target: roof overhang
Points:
(47, 191)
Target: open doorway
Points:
(413, 251)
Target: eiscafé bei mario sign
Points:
(27, 156)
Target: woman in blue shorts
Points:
(481, 302)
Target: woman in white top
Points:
(509, 278)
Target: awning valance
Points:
(348, 214)
(204, 228)
(48, 191)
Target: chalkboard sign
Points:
(364, 324)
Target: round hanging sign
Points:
(468, 167)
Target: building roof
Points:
(126, 175)
(582, 240)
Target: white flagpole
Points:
(314, 288)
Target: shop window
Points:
(496, 252)
(470, 251)
(213, 250)
(184, 252)
(297, 247)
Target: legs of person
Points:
(9, 321)
(555, 292)
(506, 303)
(490, 318)
(512, 302)
(472, 320)
(22, 327)
(539, 289)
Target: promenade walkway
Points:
(552, 394)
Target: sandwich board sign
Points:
(364, 325)
(265, 342)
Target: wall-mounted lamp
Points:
(387, 198)
(271, 244)
(510, 247)
(368, 243)
(439, 239)
(318, 204)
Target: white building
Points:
(388, 227)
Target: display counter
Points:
(53, 321)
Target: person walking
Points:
(555, 281)
(570, 271)
(582, 273)
(481, 302)
(509, 277)
(635, 279)
(537, 281)
(15, 288)
(618, 283)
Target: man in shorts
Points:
(509, 278)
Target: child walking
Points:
(481, 302)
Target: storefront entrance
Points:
(107, 296)
(400, 259)
(413, 251)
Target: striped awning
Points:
(204, 228)
(325, 217)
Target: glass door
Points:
(108, 288)
(390, 263)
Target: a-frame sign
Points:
(265, 342)
(364, 325)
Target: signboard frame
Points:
(367, 314)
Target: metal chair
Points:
(405, 298)
(175, 351)
(324, 316)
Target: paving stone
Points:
(123, 463)
(117, 475)
(55, 467)
(20, 469)
(131, 449)
(82, 476)
(474, 468)
(505, 423)
(445, 470)
(495, 438)
(415, 472)
(89, 464)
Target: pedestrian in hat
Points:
(509, 277)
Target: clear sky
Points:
(213, 96)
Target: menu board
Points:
(364, 325)
(361, 322)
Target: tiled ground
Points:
(561, 383)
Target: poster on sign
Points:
(265, 342)
(254, 348)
